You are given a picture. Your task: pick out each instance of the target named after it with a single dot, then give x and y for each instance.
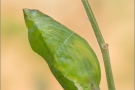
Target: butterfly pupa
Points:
(73, 62)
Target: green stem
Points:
(102, 44)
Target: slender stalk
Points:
(102, 44)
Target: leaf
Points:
(71, 60)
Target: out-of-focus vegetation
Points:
(22, 69)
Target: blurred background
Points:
(23, 69)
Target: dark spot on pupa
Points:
(92, 86)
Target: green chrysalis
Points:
(71, 60)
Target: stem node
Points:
(105, 46)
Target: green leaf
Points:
(71, 60)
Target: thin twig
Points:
(102, 44)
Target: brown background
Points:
(22, 69)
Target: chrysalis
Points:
(72, 61)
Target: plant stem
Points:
(102, 44)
